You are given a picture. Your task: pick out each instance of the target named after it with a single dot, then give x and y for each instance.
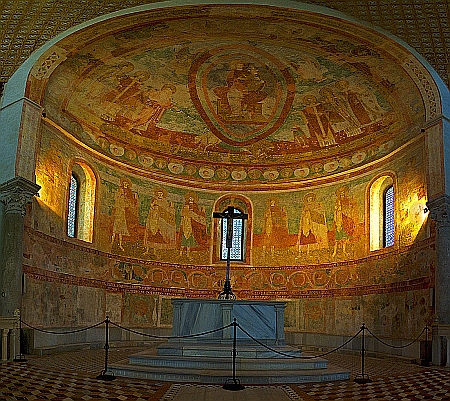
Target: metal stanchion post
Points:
(362, 377)
(104, 374)
(20, 357)
(426, 361)
(234, 384)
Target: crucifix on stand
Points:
(230, 214)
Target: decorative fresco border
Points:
(62, 278)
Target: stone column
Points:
(440, 212)
(5, 333)
(15, 194)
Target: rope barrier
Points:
(397, 346)
(62, 332)
(173, 337)
(293, 356)
(231, 384)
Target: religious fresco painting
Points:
(310, 243)
(293, 122)
(296, 104)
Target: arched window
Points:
(81, 202)
(74, 204)
(237, 244)
(382, 213)
(242, 230)
(388, 217)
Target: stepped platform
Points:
(201, 347)
(212, 364)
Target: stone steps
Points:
(220, 363)
(225, 350)
(213, 364)
(220, 376)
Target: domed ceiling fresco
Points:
(222, 96)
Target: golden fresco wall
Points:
(178, 117)
(139, 258)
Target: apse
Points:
(315, 126)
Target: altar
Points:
(263, 320)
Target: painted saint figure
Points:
(110, 77)
(241, 98)
(119, 103)
(313, 230)
(193, 225)
(124, 212)
(355, 104)
(275, 229)
(160, 227)
(340, 113)
(345, 218)
(317, 119)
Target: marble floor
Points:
(73, 376)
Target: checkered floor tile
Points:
(73, 376)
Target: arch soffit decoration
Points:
(220, 111)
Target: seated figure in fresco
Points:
(124, 213)
(241, 98)
(275, 229)
(160, 227)
(313, 230)
(193, 233)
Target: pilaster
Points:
(440, 212)
(279, 324)
(15, 194)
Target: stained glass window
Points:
(236, 251)
(73, 207)
(389, 222)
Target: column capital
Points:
(440, 210)
(16, 193)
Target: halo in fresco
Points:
(241, 92)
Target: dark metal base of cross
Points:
(105, 376)
(233, 385)
(362, 379)
(227, 292)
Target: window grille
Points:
(236, 251)
(389, 222)
(74, 201)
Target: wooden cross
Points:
(230, 214)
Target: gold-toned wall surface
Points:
(175, 118)
(332, 284)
